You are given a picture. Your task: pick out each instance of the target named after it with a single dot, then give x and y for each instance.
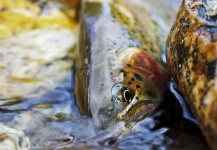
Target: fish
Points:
(120, 75)
(191, 52)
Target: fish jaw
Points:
(138, 111)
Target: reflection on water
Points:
(37, 105)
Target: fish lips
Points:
(139, 111)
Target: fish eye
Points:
(126, 94)
(116, 95)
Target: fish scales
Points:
(119, 62)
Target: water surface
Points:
(37, 105)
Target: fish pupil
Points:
(126, 95)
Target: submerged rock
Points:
(192, 60)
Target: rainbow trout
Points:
(120, 75)
(192, 59)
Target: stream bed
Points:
(37, 105)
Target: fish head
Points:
(135, 97)
(137, 94)
(142, 88)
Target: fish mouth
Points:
(137, 111)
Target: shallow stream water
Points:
(38, 109)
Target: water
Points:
(38, 109)
(59, 126)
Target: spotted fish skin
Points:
(118, 47)
(191, 51)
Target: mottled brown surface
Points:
(192, 57)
